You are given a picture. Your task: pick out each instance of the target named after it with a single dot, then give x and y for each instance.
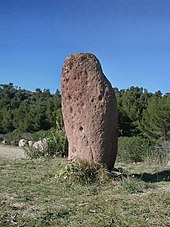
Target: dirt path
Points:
(11, 152)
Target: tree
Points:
(59, 120)
(155, 122)
(20, 117)
(131, 103)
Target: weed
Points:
(133, 149)
(53, 145)
(83, 172)
(132, 186)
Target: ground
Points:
(32, 194)
(12, 152)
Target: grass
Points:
(33, 194)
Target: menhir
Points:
(89, 110)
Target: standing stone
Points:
(89, 110)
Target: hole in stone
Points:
(71, 109)
(92, 100)
(83, 58)
(70, 66)
(85, 72)
(69, 97)
(100, 97)
(73, 149)
(81, 128)
(67, 79)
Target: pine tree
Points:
(156, 118)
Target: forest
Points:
(141, 113)
(27, 111)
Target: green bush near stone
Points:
(133, 149)
(54, 144)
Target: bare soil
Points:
(11, 152)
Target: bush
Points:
(161, 152)
(83, 172)
(133, 149)
(54, 144)
(1, 138)
(57, 144)
(14, 137)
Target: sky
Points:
(131, 39)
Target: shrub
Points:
(161, 152)
(1, 138)
(14, 137)
(57, 144)
(83, 172)
(54, 144)
(133, 149)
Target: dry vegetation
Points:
(48, 193)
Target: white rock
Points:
(30, 143)
(22, 143)
(41, 145)
(4, 142)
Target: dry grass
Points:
(33, 194)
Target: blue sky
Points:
(131, 38)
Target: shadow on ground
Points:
(156, 177)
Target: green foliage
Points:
(155, 121)
(58, 144)
(83, 172)
(140, 112)
(28, 111)
(33, 153)
(131, 103)
(52, 144)
(133, 149)
(132, 186)
(161, 152)
(59, 120)
(14, 137)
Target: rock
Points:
(22, 143)
(30, 143)
(4, 142)
(89, 110)
(41, 145)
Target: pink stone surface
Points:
(89, 110)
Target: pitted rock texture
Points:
(89, 110)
